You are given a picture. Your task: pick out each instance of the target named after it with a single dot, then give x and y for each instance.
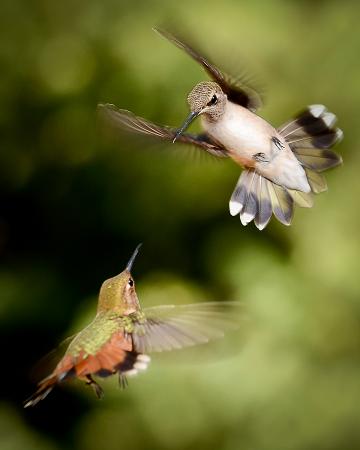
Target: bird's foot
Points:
(260, 157)
(123, 382)
(278, 143)
(96, 387)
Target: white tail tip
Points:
(317, 110)
(235, 207)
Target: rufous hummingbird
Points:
(282, 166)
(122, 333)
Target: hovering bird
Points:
(282, 166)
(121, 335)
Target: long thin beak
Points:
(132, 259)
(193, 115)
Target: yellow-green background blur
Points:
(75, 202)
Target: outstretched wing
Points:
(126, 120)
(236, 90)
(173, 327)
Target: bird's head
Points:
(207, 98)
(118, 293)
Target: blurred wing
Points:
(126, 120)
(236, 91)
(173, 327)
(48, 362)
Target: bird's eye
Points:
(131, 282)
(213, 100)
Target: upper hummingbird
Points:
(282, 166)
(121, 334)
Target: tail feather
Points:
(99, 365)
(313, 122)
(239, 195)
(139, 362)
(250, 206)
(317, 159)
(310, 135)
(282, 203)
(302, 199)
(320, 141)
(302, 120)
(257, 198)
(264, 212)
(316, 180)
(45, 387)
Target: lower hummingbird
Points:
(122, 333)
(282, 166)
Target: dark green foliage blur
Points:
(76, 200)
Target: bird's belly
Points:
(243, 133)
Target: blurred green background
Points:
(74, 204)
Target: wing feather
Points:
(127, 121)
(236, 90)
(173, 327)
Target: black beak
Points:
(132, 259)
(193, 115)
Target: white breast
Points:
(240, 131)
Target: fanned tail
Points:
(257, 198)
(310, 135)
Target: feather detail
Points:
(116, 355)
(264, 211)
(174, 327)
(302, 199)
(310, 134)
(282, 203)
(126, 120)
(44, 389)
(256, 198)
(239, 195)
(316, 180)
(237, 89)
(107, 360)
(250, 207)
(317, 159)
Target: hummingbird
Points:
(282, 167)
(122, 333)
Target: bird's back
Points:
(95, 335)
